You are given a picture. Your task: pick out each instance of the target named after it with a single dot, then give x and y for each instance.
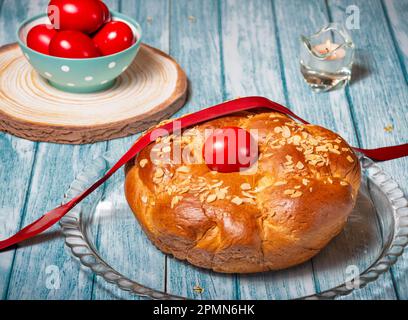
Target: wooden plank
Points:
(378, 100)
(54, 168)
(145, 263)
(195, 44)
(16, 156)
(252, 67)
(397, 16)
(329, 109)
(397, 13)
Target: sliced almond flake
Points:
(184, 190)
(237, 200)
(211, 198)
(338, 140)
(225, 189)
(343, 183)
(249, 200)
(217, 185)
(298, 187)
(246, 186)
(296, 140)
(183, 169)
(279, 183)
(310, 189)
(248, 195)
(350, 159)
(299, 149)
(288, 191)
(175, 200)
(186, 180)
(289, 158)
(321, 149)
(221, 195)
(297, 194)
(278, 129)
(300, 165)
(159, 173)
(286, 132)
(313, 141)
(203, 196)
(144, 199)
(334, 151)
(143, 163)
(345, 149)
(305, 182)
(330, 180)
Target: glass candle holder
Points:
(326, 58)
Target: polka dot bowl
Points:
(80, 75)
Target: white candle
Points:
(330, 47)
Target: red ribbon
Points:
(226, 108)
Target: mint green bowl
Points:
(80, 75)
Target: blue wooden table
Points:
(228, 48)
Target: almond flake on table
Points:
(389, 128)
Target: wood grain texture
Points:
(222, 59)
(396, 13)
(378, 100)
(327, 109)
(153, 88)
(195, 43)
(153, 16)
(47, 252)
(16, 159)
(252, 67)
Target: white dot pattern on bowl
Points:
(65, 68)
(112, 65)
(70, 84)
(104, 81)
(48, 75)
(89, 78)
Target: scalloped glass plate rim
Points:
(76, 239)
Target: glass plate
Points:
(104, 235)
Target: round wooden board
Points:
(153, 88)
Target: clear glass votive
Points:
(326, 58)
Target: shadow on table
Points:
(42, 238)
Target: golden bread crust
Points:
(297, 198)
